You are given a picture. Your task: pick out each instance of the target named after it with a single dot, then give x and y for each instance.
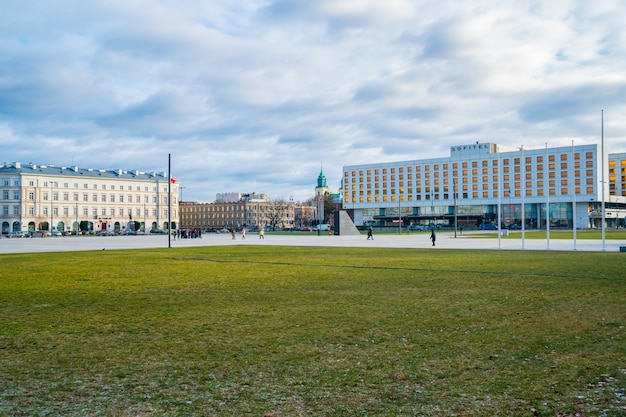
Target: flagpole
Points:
(547, 188)
(573, 188)
(603, 203)
(169, 200)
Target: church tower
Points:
(320, 191)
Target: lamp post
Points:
(399, 212)
(454, 199)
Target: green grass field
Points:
(295, 331)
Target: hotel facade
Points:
(67, 199)
(482, 183)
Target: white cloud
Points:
(254, 95)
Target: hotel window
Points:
(551, 158)
(485, 163)
(589, 155)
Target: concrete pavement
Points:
(445, 240)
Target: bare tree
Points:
(277, 213)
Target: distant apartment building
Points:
(478, 182)
(69, 199)
(236, 211)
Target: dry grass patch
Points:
(312, 331)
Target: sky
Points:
(260, 95)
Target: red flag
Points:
(173, 180)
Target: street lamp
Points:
(454, 199)
(400, 190)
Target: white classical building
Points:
(67, 199)
(483, 182)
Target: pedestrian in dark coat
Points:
(369, 233)
(433, 237)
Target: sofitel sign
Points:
(473, 147)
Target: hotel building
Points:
(479, 181)
(66, 199)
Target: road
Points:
(445, 240)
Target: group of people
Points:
(188, 233)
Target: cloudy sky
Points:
(257, 95)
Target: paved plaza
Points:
(445, 240)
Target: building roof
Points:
(75, 171)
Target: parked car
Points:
(305, 229)
(16, 234)
(417, 227)
(488, 226)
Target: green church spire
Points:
(321, 179)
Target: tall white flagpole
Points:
(603, 179)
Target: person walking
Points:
(433, 237)
(369, 233)
(243, 233)
(261, 234)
